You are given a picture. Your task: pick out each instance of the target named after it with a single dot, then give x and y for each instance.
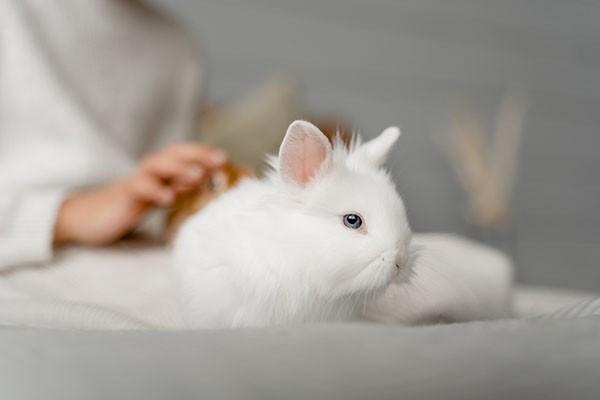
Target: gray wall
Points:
(401, 62)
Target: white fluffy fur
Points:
(275, 250)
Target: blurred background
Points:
(498, 103)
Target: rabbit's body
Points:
(320, 237)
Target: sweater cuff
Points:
(32, 230)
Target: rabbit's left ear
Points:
(375, 151)
(303, 152)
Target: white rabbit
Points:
(316, 240)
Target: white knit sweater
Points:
(86, 87)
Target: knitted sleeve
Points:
(27, 226)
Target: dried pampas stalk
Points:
(487, 169)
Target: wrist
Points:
(63, 232)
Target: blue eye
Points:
(352, 221)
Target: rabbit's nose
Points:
(390, 256)
(402, 252)
(401, 257)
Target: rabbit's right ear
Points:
(303, 152)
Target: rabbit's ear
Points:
(375, 151)
(303, 152)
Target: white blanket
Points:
(124, 286)
(129, 286)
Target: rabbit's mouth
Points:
(376, 275)
(384, 268)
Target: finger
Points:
(182, 187)
(150, 189)
(193, 176)
(168, 167)
(207, 156)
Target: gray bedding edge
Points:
(533, 359)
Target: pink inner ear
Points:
(302, 153)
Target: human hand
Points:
(105, 214)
